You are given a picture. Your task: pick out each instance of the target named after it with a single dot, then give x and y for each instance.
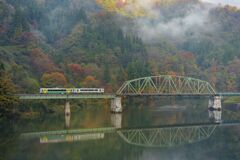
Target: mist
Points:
(62, 16)
(164, 21)
(151, 20)
(235, 3)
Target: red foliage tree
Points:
(76, 69)
(41, 62)
(171, 73)
(187, 56)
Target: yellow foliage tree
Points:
(54, 79)
(90, 81)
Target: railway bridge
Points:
(163, 85)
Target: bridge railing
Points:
(65, 96)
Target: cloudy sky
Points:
(230, 2)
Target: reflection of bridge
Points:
(165, 136)
(159, 136)
(163, 85)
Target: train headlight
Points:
(45, 91)
(68, 91)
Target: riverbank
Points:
(232, 100)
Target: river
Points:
(148, 129)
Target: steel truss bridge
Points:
(163, 85)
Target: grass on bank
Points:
(231, 100)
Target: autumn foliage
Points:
(90, 81)
(54, 79)
(133, 8)
(76, 69)
(41, 61)
(82, 48)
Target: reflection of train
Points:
(70, 90)
(71, 137)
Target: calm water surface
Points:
(149, 129)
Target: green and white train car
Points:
(70, 90)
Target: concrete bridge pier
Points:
(67, 108)
(215, 103)
(116, 120)
(215, 109)
(67, 121)
(116, 105)
(215, 116)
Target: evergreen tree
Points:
(106, 73)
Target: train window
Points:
(87, 90)
(56, 89)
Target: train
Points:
(70, 90)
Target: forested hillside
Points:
(66, 43)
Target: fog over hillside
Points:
(194, 20)
(173, 20)
(224, 2)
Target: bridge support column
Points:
(116, 105)
(116, 120)
(67, 120)
(67, 108)
(215, 109)
(215, 116)
(215, 103)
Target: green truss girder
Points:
(166, 84)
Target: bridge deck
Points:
(168, 94)
(229, 94)
(65, 96)
(112, 96)
(180, 94)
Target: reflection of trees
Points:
(165, 110)
(8, 139)
(224, 145)
(167, 137)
